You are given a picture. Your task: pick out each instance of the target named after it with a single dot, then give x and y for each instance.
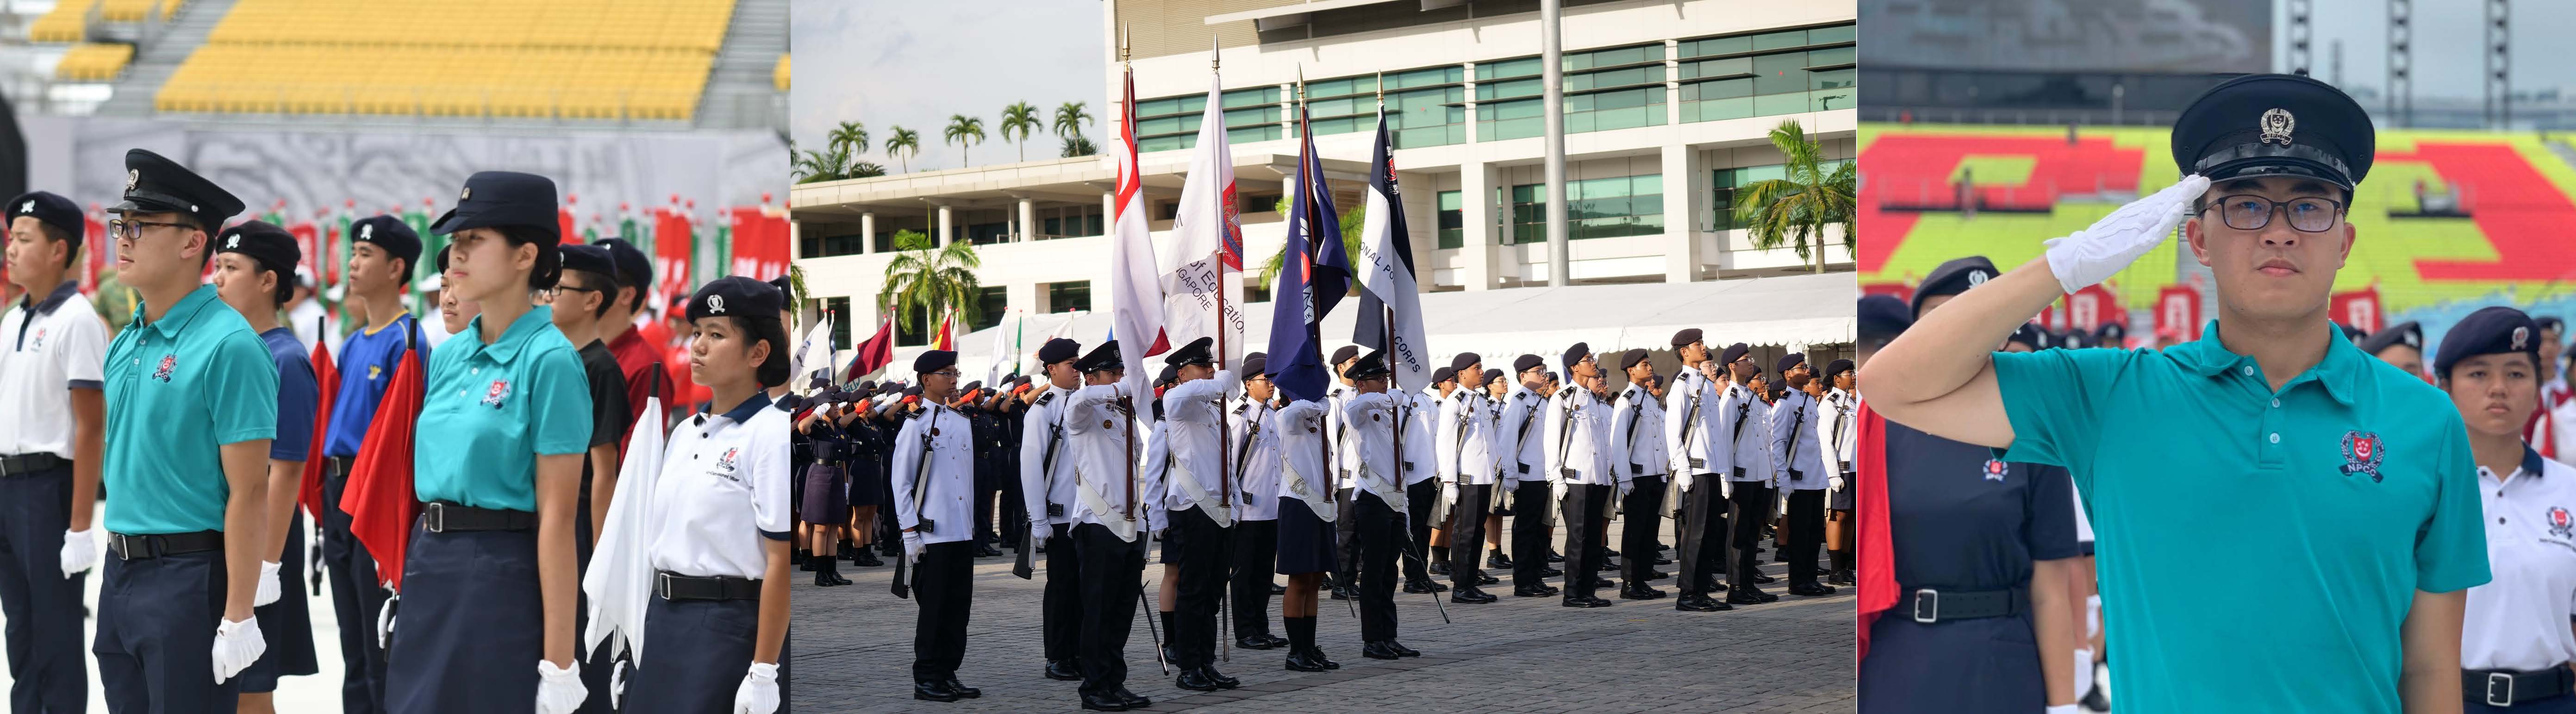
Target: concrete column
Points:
(1681, 214)
(945, 235)
(1471, 105)
(1672, 84)
(1108, 211)
(1028, 219)
(1477, 247)
(868, 232)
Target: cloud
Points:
(912, 64)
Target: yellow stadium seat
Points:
(67, 22)
(778, 76)
(94, 62)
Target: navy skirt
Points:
(469, 628)
(287, 625)
(1307, 544)
(824, 503)
(1955, 667)
(699, 652)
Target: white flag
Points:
(1135, 292)
(1204, 270)
(816, 359)
(620, 581)
(1385, 272)
(1006, 346)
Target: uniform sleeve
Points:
(1444, 456)
(559, 403)
(241, 390)
(297, 394)
(2054, 401)
(1623, 421)
(84, 353)
(2048, 522)
(1035, 431)
(1781, 452)
(769, 479)
(2451, 546)
(1721, 461)
(907, 454)
(1507, 444)
(1677, 419)
(608, 408)
(1554, 445)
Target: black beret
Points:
(783, 285)
(1103, 357)
(2490, 330)
(2404, 333)
(2111, 334)
(1527, 362)
(441, 262)
(391, 235)
(972, 386)
(273, 246)
(2029, 334)
(1952, 278)
(52, 210)
(2350, 333)
(1345, 353)
(1576, 354)
(634, 268)
(1370, 365)
(912, 391)
(1882, 317)
(1838, 367)
(1256, 363)
(1654, 381)
(1058, 350)
(819, 382)
(1443, 374)
(1465, 360)
(1196, 352)
(1632, 357)
(1789, 360)
(2548, 322)
(2072, 340)
(1685, 337)
(1493, 374)
(158, 185)
(932, 361)
(591, 259)
(2274, 125)
(493, 199)
(1171, 373)
(1734, 352)
(737, 296)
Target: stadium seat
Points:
(67, 22)
(778, 77)
(94, 61)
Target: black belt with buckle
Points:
(674, 586)
(146, 547)
(23, 464)
(444, 517)
(337, 467)
(2505, 687)
(1934, 605)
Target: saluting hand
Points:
(2094, 254)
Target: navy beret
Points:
(1838, 367)
(737, 296)
(634, 269)
(1883, 317)
(1493, 374)
(1465, 360)
(1345, 353)
(1256, 363)
(1734, 352)
(2404, 333)
(1952, 278)
(2029, 334)
(1443, 374)
(1686, 336)
(2489, 331)
(390, 234)
(1576, 354)
(50, 209)
(2550, 322)
(1788, 361)
(1058, 350)
(273, 246)
(591, 259)
(1632, 357)
(1527, 362)
(932, 361)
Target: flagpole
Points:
(1225, 399)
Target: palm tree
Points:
(1351, 222)
(926, 278)
(864, 169)
(818, 166)
(1069, 118)
(851, 137)
(964, 131)
(1078, 146)
(1794, 211)
(903, 145)
(1020, 118)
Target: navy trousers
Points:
(696, 657)
(156, 635)
(43, 608)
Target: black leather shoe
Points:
(839, 579)
(1403, 650)
(1169, 655)
(1811, 589)
(1274, 640)
(1379, 650)
(1657, 575)
(1534, 591)
(1278, 589)
(1639, 592)
(1222, 681)
(1746, 597)
(986, 550)
(1550, 573)
(1483, 578)
(1341, 593)
(1192, 680)
(807, 566)
(1583, 601)
(1470, 595)
(1130, 699)
(823, 579)
(1695, 602)
(1760, 579)
(1103, 703)
(1254, 641)
(1317, 655)
(1609, 565)
(933, 692)
(1302, 661)
(1555, 557)
(1439, 568)
(962, 690)
(1063, 670)
(868, 560)
(1417, 587)
(1498, 561)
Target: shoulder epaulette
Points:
(914, 414)
(1044, 398)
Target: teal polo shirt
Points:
(178, 389)
(488, 410)
(2344, 492)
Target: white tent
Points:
(1794, 310)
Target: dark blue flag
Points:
(1314, 274)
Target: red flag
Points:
(1877, 564)
(326, 375)
(2358, 308)
(947, 338)
(379, 500)
(874, 353)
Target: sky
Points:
(886, 63)
(2448, 52)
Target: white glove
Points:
(2094, 254)
(2064, 709)
(1838, 483)
(1683, 480)
(237, 645)
(1038, 532)
(385, 624)
(759, 691)
(1725, 488)
(2083, 672)
(80, 551)
(1450, 492)
(616, 685)
(1625, 487)
(912, 547)
(559, 691)
(268, 588)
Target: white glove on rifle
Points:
(1683, 480)
(912, 547)
(2094, 254)
(1038, 532)
(559, 690)
(1838, 483)
(80, 551)
(268, 588)
(616, 684)
(237, 645)
(759, 691)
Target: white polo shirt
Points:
(722, 493)
(54, 345)
(2519, 620)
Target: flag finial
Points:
(1381, 87)
(1214, 46)
(1122, 43)
(1301, 83)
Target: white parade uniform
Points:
(2519, 620)
(1256, 453)
(1105, 452)
(1047, 491)
(949, 499)
(722, 493)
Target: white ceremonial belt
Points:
(1188, 486)
(1300, 489)
(1118, 525)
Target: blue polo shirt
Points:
(178, 389)
(297, 393)
(2349, 489)
(367, 362)
(488, 410)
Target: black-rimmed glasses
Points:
(130, 230)
(2308, 214)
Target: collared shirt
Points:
(1372, 419)
(1578, 438)
(1692, 428)
(1466, 447)
(1337, 432)
(297, 395)
(948, 498)
(1194, 432)
(488, 410)
(178, 389)
(1636, 434)
(1047, 492)
(55, 345)
(2531, 547)
(645, 377)
(1299, 427)
(1104, 456)
(722, 494)
(1522, 427)
(2351, 484)
(1256, 453)
(1797, 457)
(1841, 423)
(1744, 433)
(367, 362)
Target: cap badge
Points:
(28, 207)
(2277, 124)
(232, 241)
(1976, 278)
(2521, 337)
(469, 190)
(2413, 340)
(132, 177)
(715, 304)
(367, 232)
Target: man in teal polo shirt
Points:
(2340, 478)
(191, 407)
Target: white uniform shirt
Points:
(722, 494)
(1523, 429)
(1743, 434)
(1842, 429)
(1302, 437)
(2562, 425)
(1465, 438)
(1637, 435)
(304, 319)
(56, 345)
(1193, 431)
(1256, 453)
(1155, 467)
(1103, 453)
(1046, 492)
(1337, 433)
(1692, 434)
(950, 498)
(1794, 444)
(2520, 620)
(1577, 437)
(1372, 420)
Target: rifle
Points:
(1024, 566)
(920, 493)
(1420, 555)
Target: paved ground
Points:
(852, 652)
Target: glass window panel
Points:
(1781, 73)
(1717, 46)
(1506, 69)
(1831, 99)
(1772, 104)
(1776, 40)
(1838, 55)
(1251, 97)
(1837, 33)
(1069, 296)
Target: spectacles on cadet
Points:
(951, 373)
(559, 289)
(130, 230)
(2308, 214)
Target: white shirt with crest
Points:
(722, 493)
(2520, 619)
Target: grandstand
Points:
(679, 64)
